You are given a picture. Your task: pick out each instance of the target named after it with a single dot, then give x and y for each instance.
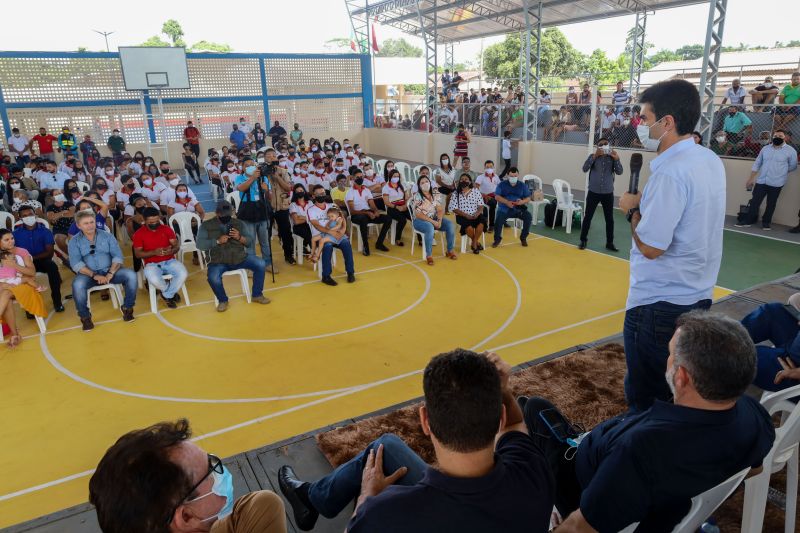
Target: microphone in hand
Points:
(636, 167)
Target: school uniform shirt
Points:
(323, 178)
(360, 198)
(308, 181)
(106, 196)
(168, 196)
(290, 163)
(375, 179)
(299, 210)
(320, 214)
(185, 205)
(394, 194)
(124, 196)
(487, 184)
(153, 193)
(471, 203)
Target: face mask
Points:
(29, 221)
(16, 135)
(165, 170)
(131, 186)
(768, 84)
(489, 171)
(140, 210)
(320, 171)
(250, 170)
(359, 181)
(74, 190)
(116, 134)
(390, 167)
(109, 172)
(395, 179)
(174, 182)
(425, 187)
(153, 226)
(606, 149)
(260, 159)
(463, 185)
(303, 172)
(319, 199)
(60, 198)
(369, 172)
(445, 161)
(15, 186)
(643, 131)
(339, 168)
(148, 182)
(313, 148)
(777, 141)
(182, 194)
(721, 139)
(223, 486)
(350, 154)
(225, 219)
(731, 113)
(513, 180)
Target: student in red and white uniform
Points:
(395, 198)
(363, 211)
(168, 195)
(185, 202)
(150, 189)
(298, 212)
(488, 182)
(228, 176)
(351, 158)
(304, 178)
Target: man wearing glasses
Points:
(96, 258)
(157, 480)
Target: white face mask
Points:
(29, 221)
(606, 148)
(390, 167)
(148, 181)
(425, 187)
(339, 168)
(513, 180)
(395, 179)
(369, 172)
(174, 182)
(109, 172)
(721, 138)
(768, 84)
(182, 194)
(15, 186)
(59, 198)
(489, 171)
(445, 161)
(643, 131)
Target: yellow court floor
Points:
(258, 374)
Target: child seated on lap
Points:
(10, 276)
(336, 223)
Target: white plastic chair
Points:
(82, 186)
(405, 171)
(370, 161)
(703, 505)
(415, 232)
(564, 203)
(537, 185)
(465, 238)
(378, 166)
(353, 226)
(41, 221)
(7, 220)
(234, 198)
(115, 290)
(188, 244)
(333, 262)
(242, 273)
(415, 172)
(154, 299)
(784, 453)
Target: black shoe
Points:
(480, 247)
(291, 261)
(399, 243)
(365, 251)
(521, 401)
(29, 316)
(177, 298)
(327, 280)
(171, 303)
(524, 242)
(305, 516)
(795, 229)
(380, 246)
(127, 314)
(495, 244)
(87, 323)
(59, 308)
(351, 278)
(582, 245)
(610, 246)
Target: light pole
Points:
(105, 34)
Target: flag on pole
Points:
(353, 44)
(374, 37)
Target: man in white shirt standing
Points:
(677, 226)
(736, 94)
(19, 146)
(505, 153)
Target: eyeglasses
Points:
(91, 249)
(214, 465)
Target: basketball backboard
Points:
(146, 67)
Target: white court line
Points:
(757, 236)
(516, 307)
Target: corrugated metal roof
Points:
(461, 20)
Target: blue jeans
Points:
(347, 252)
(331, 494)
(428, 230)
(771, 322)
(154, 273)
(647, 332)
(504, 213)
(251, 262)
(82, 283)
(258, 230)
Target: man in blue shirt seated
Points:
(646, 466)
(477, 486)
(237, 137)
(96, 259)
(512, 196)
(39, 242)
(778, 324)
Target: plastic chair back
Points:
(82, 186)
(235, 199)
(184, 222)
(378, 166)
(787, 436)
(7, 220)
(563, 193)
(415, 172)
(405, 170)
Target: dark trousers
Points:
(193, 172)
(647, 332)
(568, 490)
(304, 231)
(363, 220)
(491, 203)
(281, 218)
(195, 148)
(507, 163)
(504, 214)
(401, 217)
(592, 199)
(760, 192)
(771, 322)
(49, 267)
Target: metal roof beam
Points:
(385, 6)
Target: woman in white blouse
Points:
(445, 178)
(429, 218)
(467, 204)
(395, 199)
(184, 203)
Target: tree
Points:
(339, 44)
(207, 46)
(172, 29)
(155, 40)
(690, 51)
(600, 68)
(82, 49)
(558, 57)
(663, 56)
(398, 48)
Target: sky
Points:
(270, 26)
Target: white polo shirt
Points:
(395, 195)
(308, 181)
(168, 196)
(299, 210)
(191, 207)
(374, 180)
(153, 194)
(19, 143)
(360, 198)
(487, 184)
(320, 214)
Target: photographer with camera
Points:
(601, 166)
(223, 238)
(255, 209)
(280, 199)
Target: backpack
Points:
(743, 217)
(549, 213)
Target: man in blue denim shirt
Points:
(97, 260)
(512, 196)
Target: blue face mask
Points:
(249, 170)
(223, 486)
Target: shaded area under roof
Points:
(461, 20)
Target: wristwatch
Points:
(629, 216)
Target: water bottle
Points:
(709, 526)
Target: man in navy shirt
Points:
(39, 242)
(645, 466)
(237, 137)
(477, 486)
(512, 196)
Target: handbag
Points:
(250, 211)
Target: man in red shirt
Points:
(156, 244)
(192, 136)
(44, 142)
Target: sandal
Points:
(14, 340)
(451, 255)
(429, 259)
(399, 243)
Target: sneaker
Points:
(795, 229)
(742, 225)
(766, 227)
(222, 307)
(380, 246)
(127, 314)
(351, 278)
(327, 280)
(171, 303)
(582, 245)
(87, 323)
(263, 300)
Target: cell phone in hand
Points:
(228, 229)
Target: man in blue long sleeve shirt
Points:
(770, 173)
(772, 322)
(238, 137)
(601, 166)
(96, 258)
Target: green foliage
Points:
(414, 88)
(172, 29)
(155, 40)
(339, 44)
(601, 69)
(208, 46)
(82, 49)
(690, 51)
(396, 48)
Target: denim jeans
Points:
(331, 494)
(82, 283)
(154, 273)
(504, 213)
(258, 230)
(327, 257)
(428, 230)
(647, 332)
(771, 322)
(251, 262)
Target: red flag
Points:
(374, 38)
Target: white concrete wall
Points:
(551, 160)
